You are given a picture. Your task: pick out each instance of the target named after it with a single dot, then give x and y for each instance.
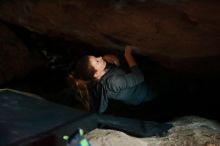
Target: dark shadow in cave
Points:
(178, 94)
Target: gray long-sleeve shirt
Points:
(129, 88)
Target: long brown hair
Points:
(81, 78)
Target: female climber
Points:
(98, 79)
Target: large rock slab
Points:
(181, 35)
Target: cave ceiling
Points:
(182, 35)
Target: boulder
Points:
(187, 131)
(180, 35)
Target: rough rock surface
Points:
(15, 59)
(187, 131)
(14, 56)
(182, 35)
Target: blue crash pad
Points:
(22, 116)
